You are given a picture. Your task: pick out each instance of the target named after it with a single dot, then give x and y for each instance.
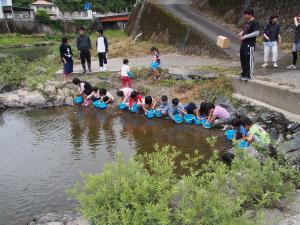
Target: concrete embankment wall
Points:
(278, 96)
(156, 24)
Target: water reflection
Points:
(43, 152)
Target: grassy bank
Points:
(10, 40)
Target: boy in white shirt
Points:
(124, 74)
(102, 49)
(106, 96)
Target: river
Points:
(43, 152)
(28, 53)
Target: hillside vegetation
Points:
(77, 5)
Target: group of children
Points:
(214, 114)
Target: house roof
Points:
(42, 2)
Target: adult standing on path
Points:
(248, 40)
(84, 46)
(296, 45)
(271, 39)
(102, 50)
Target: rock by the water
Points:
(291, 149)
(66, 218)
(294, 220)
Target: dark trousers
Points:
(295, 58)
(247, 60)
(102, 59)
(85, 56)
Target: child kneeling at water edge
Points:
(218, 115)
(135, 98)
(241, 132)
(94, 96)
(164, 104)
(149, 103)
(174, 108)
(255, 133)
(124, 94)
(85, 88)
(190, 108)
(106, 96)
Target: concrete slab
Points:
(168, 62)
(282, 97)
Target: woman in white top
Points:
(102, 49)
(124, 74)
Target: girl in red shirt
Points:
(135, 98)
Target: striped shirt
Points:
(221, 113)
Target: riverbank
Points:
(25, 41)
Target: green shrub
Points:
(42, 17)
(13, 72)
(17, 72)
(147, 189)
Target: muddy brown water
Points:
(43, 152)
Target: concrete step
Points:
(283, 98)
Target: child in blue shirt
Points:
(164, 105)
(241, 132)
(190, 108)
(174, 108)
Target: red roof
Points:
(115, 19)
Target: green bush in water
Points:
(147, 189)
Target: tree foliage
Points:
(42, 17)
(147, 190)
(77, 5)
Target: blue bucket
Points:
(206, 125)
(135, 108)
(178, 118)
(122, 106)
(154, 65)
(130, 74)
(150, 114)
(188, 118)
(197, 121)
(78, 100)
(230, 134)
(243, 144)
(158, 113)
(100, 105)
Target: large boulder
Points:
(22, 98)
(291, 149)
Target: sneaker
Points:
(246, 78)
(84, 71)
(292, 67)
(105, 67)
(101, 69)
(264, 65)
(275, 65)
(240, 78)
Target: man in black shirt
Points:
(248, 40)
(84, 45)
(296, 44)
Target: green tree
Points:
(42, 17)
